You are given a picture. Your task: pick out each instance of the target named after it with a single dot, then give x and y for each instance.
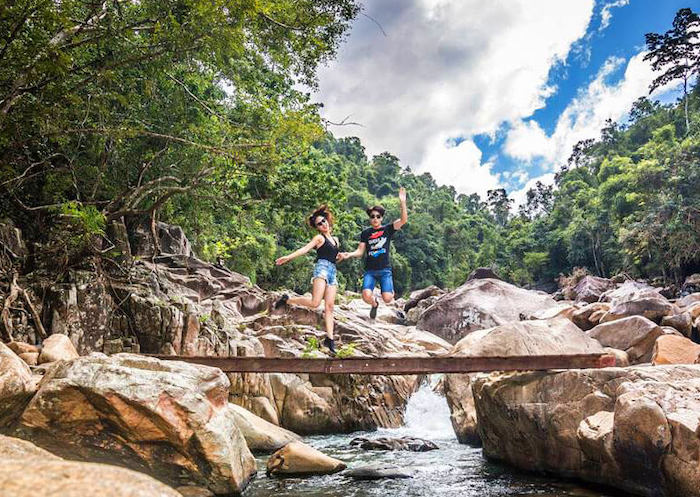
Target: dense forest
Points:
(191, 113)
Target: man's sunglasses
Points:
(375, 216)
(322, 221)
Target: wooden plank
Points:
(398, 365)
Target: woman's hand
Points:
(341, 256)
(282, 260)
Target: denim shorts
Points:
(326, 270)
(383, 276)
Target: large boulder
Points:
(682, 322)
(262, 437)
(57, 347)
(16, 448)
(480, 304)
(653, 307)
(537, 337)
(16, 385)
(591, 288)
(165, 418)
(173, 240)
(458, 392)
(691, 284)
(556, 336)
(688, 300)
(629, 290)
(632, 428)
(635, 335)
(589, 316)
(417, 295)
(51, 476)
(671, 349)
(297, 458)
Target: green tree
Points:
(676, 53)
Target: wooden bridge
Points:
(398, 365)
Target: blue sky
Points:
(485, 95)
(623, 37)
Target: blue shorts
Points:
(383, 276)
(325, 270)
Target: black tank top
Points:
(328, 251)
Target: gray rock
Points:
(632, 428)
(480, 304)
(482, 273)
(691, 284)
(387, 443)
(590, 288)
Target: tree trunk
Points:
(685, 104)
(5, 313)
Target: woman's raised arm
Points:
(315, 242)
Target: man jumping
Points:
(376, 240)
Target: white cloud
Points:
(584, 117)
(460, 166)
(606, 14)
(447, 68)
(527, 140)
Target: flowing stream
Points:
(452, 470)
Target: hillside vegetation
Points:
(190, 113)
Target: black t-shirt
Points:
(377, 243)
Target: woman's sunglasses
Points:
(322, 221)
(375, 216)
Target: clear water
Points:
(452, 470)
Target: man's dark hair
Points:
(375, 208)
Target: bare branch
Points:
(280, 24)
(375, 22)
(344, 122)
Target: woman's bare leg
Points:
(317, 290)
(329, 297)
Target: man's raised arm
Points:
(398, 224)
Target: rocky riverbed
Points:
(85, 395)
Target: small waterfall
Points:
(427, 415)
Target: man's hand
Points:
(282, 260)
(341, 257)
(398, 224)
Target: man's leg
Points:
(368, 284)
(386, 283)
(369, 281)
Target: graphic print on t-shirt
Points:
(377, 246)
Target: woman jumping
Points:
(324, 281)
